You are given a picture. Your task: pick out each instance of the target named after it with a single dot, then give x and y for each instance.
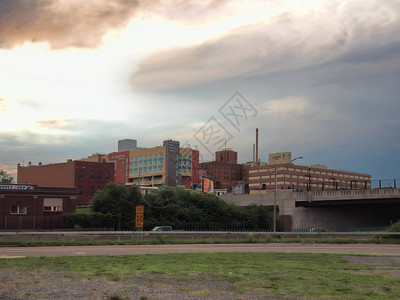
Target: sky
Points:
(320, 79)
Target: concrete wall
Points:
(334, 217)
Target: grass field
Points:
(234, 275)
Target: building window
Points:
(52, 204)
(107, 176)
(79, 190)
(91, 175)
(80, 174)
(98, 175)
(18, 210)
(91, 191)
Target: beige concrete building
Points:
(261, 177)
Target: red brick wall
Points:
(89, 185)
(226, 156)
(58, 175)
(195, 167)
(121, 166)
(67, 175)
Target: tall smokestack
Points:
(254, 153)
(257, 146)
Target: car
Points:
(162, 228)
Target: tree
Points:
(119, 201)
(187, 209)
(5, 178)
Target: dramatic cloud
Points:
(83, 24)
(341, 32)
(71, 23)
(323, 76)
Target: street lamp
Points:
(276, 190)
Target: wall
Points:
(60, 174)
(333, 217)
(35, 217)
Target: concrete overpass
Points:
(333, 210)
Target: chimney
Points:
(257, 146)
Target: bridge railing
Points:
(385, 183)
(345, 194)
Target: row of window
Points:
(185, 161)
(146, 162)
(324, 184)
(92, 190)
(313, 172)
(185, 169)
(148, 169)
(93, 175)
(327, 180)
(23, 210)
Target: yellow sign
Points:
(139, 216)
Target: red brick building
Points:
(34, 207)
(87, 177)
(224, 171)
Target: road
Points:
(369, 249)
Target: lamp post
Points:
(276, 189)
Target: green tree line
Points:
(182, 209)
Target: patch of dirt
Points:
(373, 260)
(383, 273)
(67, 286)
(385, 266)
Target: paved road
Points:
(143, 249)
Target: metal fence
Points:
(367, 229)
(30, 222)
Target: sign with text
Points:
(15, 187)
(139, 216)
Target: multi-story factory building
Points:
(224, 171)
(301, 178)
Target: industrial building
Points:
(261, 176)
(88, 177)
(166, 165)
(34, 207)
(224, 171)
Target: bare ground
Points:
(16, 285)
(386, 266)
(66, 285)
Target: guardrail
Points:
(193, 235)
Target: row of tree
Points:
(176, 207)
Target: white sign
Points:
(15, 187)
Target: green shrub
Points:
(161, 239)
(394, 227)
(250, 237)
(94, 220)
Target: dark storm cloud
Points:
(76, 23)
(61, 23)
(28, 145)
(339, 33)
